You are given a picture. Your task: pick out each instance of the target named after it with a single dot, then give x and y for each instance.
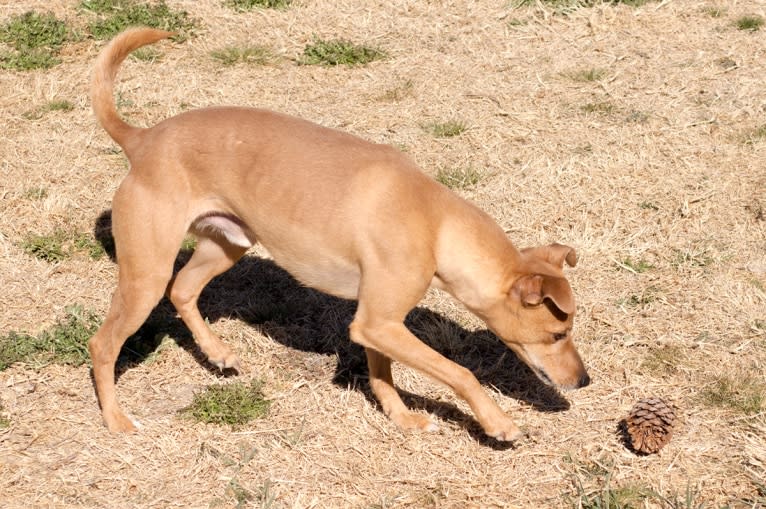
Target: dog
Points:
(351, 218)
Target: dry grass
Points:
(654, 163)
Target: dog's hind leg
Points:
(211, 257)
(147, 239)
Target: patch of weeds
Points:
(746, 394)
(726, 63)
(516, 22)
(114, 16)
(642, 300)
(36, 39)
(715, 12)
(61, 245)
(265, 494)
(59, 105)
(55, 105)
(663, 359)
(687, 500)
(339, 52)
(756, 135)
(64, 343)
(692, 258)
(84, 242)
(750, 23)
(447, 129)
(647, 205)
(147, 54)
(249, 5)
(234, 404)
(258, 55)
(635, 266)
(637, 117)
(587, 75)
(398, 93)
(605, 496)
(49, 248)
(600, 107)
(458, 178)
(35, 193)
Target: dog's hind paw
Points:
(411, 420)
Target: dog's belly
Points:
(324, 271)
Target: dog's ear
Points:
(557, 289)
(555, 254)
(528, 289)
(533, 289)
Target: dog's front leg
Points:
(392, 340)
(382, 385)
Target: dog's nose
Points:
(584, 381)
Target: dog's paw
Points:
(118, 422)
(231, 361)
(509, 432)
(411, 420)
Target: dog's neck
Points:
(476, 262)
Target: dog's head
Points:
(535, 316)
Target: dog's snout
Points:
(584, 381)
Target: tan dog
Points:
(351, 218)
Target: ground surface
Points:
(630, 133)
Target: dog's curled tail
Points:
(105, 70)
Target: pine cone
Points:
(649, 425)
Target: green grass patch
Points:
(61, 245)
(647, 205)
(147, 54)
(599, 107)
(692, 258)
(756, 135)
(256, 55)
(566, 6)
(586, 75)
(49, 248)
(249, 5)
(715, 12)
(635, 266)
(663, 360)
(447, 129)
(398, 93)
(56, 105)
(36, 40)
(35, 193)
(458, 178)
(234, 404)
(750, 23)
(745, 394)
(639, 300)
(339, 52)
(64, 343)
(4, 421)
(601, 494)
(114, 16)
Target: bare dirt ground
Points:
(650, 164)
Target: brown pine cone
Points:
(649, 425)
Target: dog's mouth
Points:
(542, 375)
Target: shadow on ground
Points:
(266, 297)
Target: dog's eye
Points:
(559, 336)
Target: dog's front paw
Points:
(230, 362)
(506, 432)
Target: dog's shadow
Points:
(266, 297)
